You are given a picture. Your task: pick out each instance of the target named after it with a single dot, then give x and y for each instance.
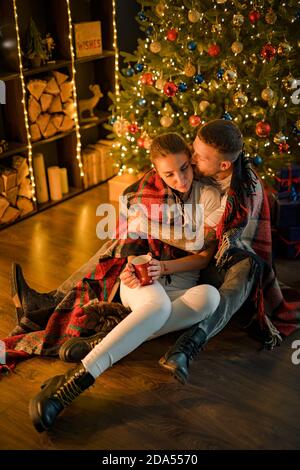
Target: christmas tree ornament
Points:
(238, 20)
(120, 127)
(166, 121)
(140, 142)
(147, 140)
(257, 160)
(112, 120)
(141, 16)
(268, 51)
(194, 16)
(160, 83)
(220, 73)
(172, 34)
(254, 16)
(267, 94)
(296, 128)
(236, 47)
(258, 112)
(129, 71)
(289, 82)
(194, 120)
(149, 31)
(227, 116)
(284, 147)
(216, 28)
(133, 128)
(147, 78)
(284, 48)
(230, 76)
(198, 79)
(253, 58)
(279, 138)
(170, 89)
(262, 129)
(160, 9)
(155, 47)
(297, 124)
(182, 86)
(240, 99)
(271, 17)
(214, 50)
(203, 105)
(221, 1)
(189, 70)
(191, 45)
(139, 67)
(142, 102)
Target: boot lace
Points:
(69, 390)
(189, 347)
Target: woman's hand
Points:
(128, 277)
(155, 270)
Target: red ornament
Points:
(254, 16)
(268, 52)
(172, 34)
(170, 89)
(262, 129)
(133, 128)
(214, 50)
(194, 120)
(141, 142)
(283, 148)
(147, 79)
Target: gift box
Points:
(287, 177)
(286, 213)
(118, 184)
(288, 242)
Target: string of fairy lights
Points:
(28, 135)
(116, 49)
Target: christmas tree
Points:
(205, 59)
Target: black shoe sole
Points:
(63, 350)
(35, 417)
(15, 293)
(175, 372)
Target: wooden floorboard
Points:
(238, 398)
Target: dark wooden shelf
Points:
(57, 65)
(5, 76)
(13, 148)
(72, 192)
(104, 55)
(102, 116)
(52, 139)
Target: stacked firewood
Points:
(15, 190)
(50, 106)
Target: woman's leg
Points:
(190, 307)
(150, 307)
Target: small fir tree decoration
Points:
(36, 51)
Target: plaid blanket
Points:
(245, 231)
(81, 311)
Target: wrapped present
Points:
(118, 184)
(288, 242)
(287, 177)
(286, 213)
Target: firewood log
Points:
(20, 165)
(25, 188)
(52, 87)
(57, 120)
(24, 205)
(3, 205)
(36, 88)
(46, 101)
(34, 109)
(67, 124)
(43, 121)
(56, 106)
(50, 130)
(69, 108)
(66, 90)
(9, 215)
(60, 77)
(35, 132)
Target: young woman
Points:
(174, 301)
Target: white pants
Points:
(155, 312)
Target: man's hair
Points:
(169, 143)
(224, 136)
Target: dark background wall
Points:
(128, 29)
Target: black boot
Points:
(75, 349)
(178, 357)
(31, 306)
(57, 393)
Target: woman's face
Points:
(176, 171)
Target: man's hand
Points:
(128, 277)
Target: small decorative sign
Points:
(88, 39)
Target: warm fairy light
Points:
(28, 135)
(77, 128)
(115, 46)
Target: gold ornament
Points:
(267, 94)
(271, 17)
(289, 82)
(194, 16)
(160, 9)
(279, 138)
(258, 112)
(238, 20)
(120, 127)
(253, 59)
(284, 48)
(189, 70)
(230, 76)
(147, 140)
(203, 105)
(236, 47)
(160, 83)
(155, 47)
(166, 121)
(221, 1)
(240, 99)
(216, 28)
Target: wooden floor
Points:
(238, 397)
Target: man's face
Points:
(209, 161)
